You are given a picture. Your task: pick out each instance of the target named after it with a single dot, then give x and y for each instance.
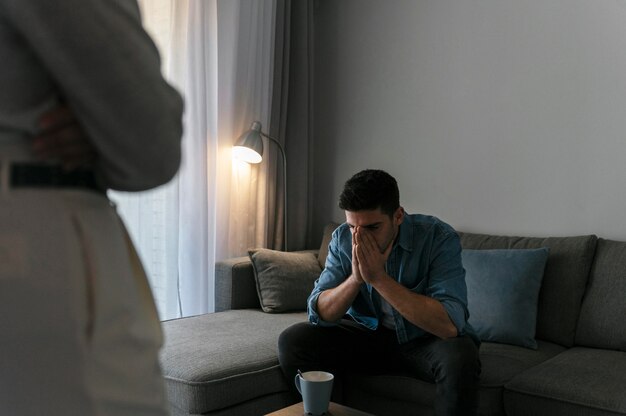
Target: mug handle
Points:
(297, 381)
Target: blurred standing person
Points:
(83, 108)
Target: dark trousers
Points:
(452, 364)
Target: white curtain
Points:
(219, 54)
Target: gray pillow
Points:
(284, 280)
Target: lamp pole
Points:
(249, 147)
(282, 152)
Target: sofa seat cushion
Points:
(501, 362)
(578, 381)
(402, 393)
(217, 360)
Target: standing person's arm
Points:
(107, 70)
(61, 138)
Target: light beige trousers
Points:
(79, 333)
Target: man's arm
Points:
(422, 311)
(333, 303)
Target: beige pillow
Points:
(284, 280)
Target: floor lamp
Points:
(249, 148)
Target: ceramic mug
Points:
(315, 388)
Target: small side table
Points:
(334, 409)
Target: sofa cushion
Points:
(502, 293)
(564, 280)
(502, 362)
(284, 280)
(218, 360)
(402, 394)
(578, 381)
(601, 323)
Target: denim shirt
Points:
(425, 258)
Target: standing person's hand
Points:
(369, 257)
(61, 138)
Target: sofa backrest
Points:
(326, 237)
(603, 311)
(564, 281)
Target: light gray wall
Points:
(497, 116)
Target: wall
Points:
(497, 116)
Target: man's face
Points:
(383, 228)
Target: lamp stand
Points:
(282, 152)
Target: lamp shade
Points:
(249, 146)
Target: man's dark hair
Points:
(368, 190)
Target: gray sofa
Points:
(225, 363)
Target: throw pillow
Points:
(503, 292)
(284, 280)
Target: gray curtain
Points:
(290, 124)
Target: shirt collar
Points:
(405, 235)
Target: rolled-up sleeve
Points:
(447, 278)
(334, 273)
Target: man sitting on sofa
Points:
(391, 297)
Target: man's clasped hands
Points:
(368, 262)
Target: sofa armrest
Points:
(235, 287)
